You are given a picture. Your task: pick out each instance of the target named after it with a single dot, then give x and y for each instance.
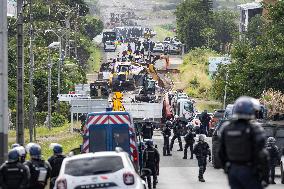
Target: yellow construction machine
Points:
(117, 102)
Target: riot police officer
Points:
(274, 157)
(189, 141)
(151, 160)
(13, 174)
(242, 147)
(166, 134)
(147, 129)
(55, 162)
(177, 134)
(22, 153)
(40, 169)
(202, 151)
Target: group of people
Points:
(19, 173)
(201, 149)
(248, 158)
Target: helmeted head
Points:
(270, 141)
(13, 156)
(146, 119)
(245, 108)
(176, 116)
(168, 123)
(35, 151)
(56, 148)
(15, 145)
(149, 142)
(201, 138)
(205, 111)
(22, 153)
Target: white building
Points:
(248, 11)
(11, 7)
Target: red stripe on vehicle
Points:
(105, 120)
(112, 120)
(119, 118)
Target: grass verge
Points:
(45, 137)
(95, 59)
(202, 105)
(194, 78)
(162, 33)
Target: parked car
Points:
(174, 49)
(100, 170)
(167, 40)
(158, 48)
(109, 46)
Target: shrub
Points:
(57, 120)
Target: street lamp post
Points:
(49, 91)
(51, 46)
(225, 91)
(61, 61)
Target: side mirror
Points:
(146, 172)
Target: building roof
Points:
(249, 6)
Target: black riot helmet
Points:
(168, 123)
(245, 108)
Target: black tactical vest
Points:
(238, 140)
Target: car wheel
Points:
(282, 173)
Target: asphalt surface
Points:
(178, 173)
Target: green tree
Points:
(258, 63)
(192, 17)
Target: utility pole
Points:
(225, 91)
(20, 74)
(61, 60)
(3, 83)
(49, 91)
(31, 78)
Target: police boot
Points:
(201, 179)
(164, 151)
(180, 147)
(184, 157)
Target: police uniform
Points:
(151, 160)
(147, 130)
(177, 134)
(14, 175)
(202, 151)
(166, 134)
(40, 172)
(242, 154)
(273, 161)
(55, 162)
(189, 141)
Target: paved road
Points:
(183, 174)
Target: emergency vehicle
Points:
(104, 131)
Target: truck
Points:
(109, 40)
(185, 109)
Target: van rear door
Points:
(120, 137)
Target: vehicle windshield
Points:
(188, 106)
(93, 166)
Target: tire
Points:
(282, 173)
(215, 159)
